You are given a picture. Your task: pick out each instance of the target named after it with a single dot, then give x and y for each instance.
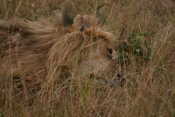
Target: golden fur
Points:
(44, 52)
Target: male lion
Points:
(37, 51)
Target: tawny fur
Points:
(41, 52)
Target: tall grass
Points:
(150, 85)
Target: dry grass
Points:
(143, 32)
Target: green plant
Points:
(1, 114)
(137, 46)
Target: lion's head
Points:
(87, 50)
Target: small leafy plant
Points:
(137, 46)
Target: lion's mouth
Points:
(117, 80)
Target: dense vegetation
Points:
(144, 31)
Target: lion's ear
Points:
(100, 13)
(68, 13)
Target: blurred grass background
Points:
(145, 32)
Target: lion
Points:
(38, 51)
